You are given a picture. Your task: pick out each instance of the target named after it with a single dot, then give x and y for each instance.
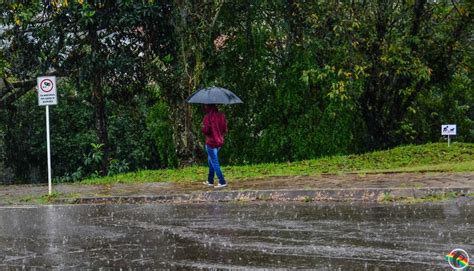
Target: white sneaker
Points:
(221, 185)
(208, 184)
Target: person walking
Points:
(214, 128)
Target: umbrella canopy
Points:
(214, 95)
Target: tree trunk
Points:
(189, 47)
(2, 153)
(184, 137)
(98, 100)
(373, 100)
(101, 123)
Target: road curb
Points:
(353, 194)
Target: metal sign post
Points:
(46, 97)
(449, 130)
(48, 146)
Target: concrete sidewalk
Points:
(346, 187)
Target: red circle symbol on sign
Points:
(46, 85)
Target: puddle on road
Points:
(236, 235)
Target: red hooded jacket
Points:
(214, 127)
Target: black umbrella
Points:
(214, 95)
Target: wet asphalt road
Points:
(236, 235)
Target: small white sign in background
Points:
(47, 90)
(448, 129)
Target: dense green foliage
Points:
(318, 78)
(430, 157)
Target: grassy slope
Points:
(430, 157)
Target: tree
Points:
(97, 44)
(317, 77)
(179, 65)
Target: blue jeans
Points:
(214, 167)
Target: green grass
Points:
(44, 199)
(437, 157)
(429, 198)
(464, 166)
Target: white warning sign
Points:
(448, 129)
(47, 90)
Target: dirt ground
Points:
(15, 194)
